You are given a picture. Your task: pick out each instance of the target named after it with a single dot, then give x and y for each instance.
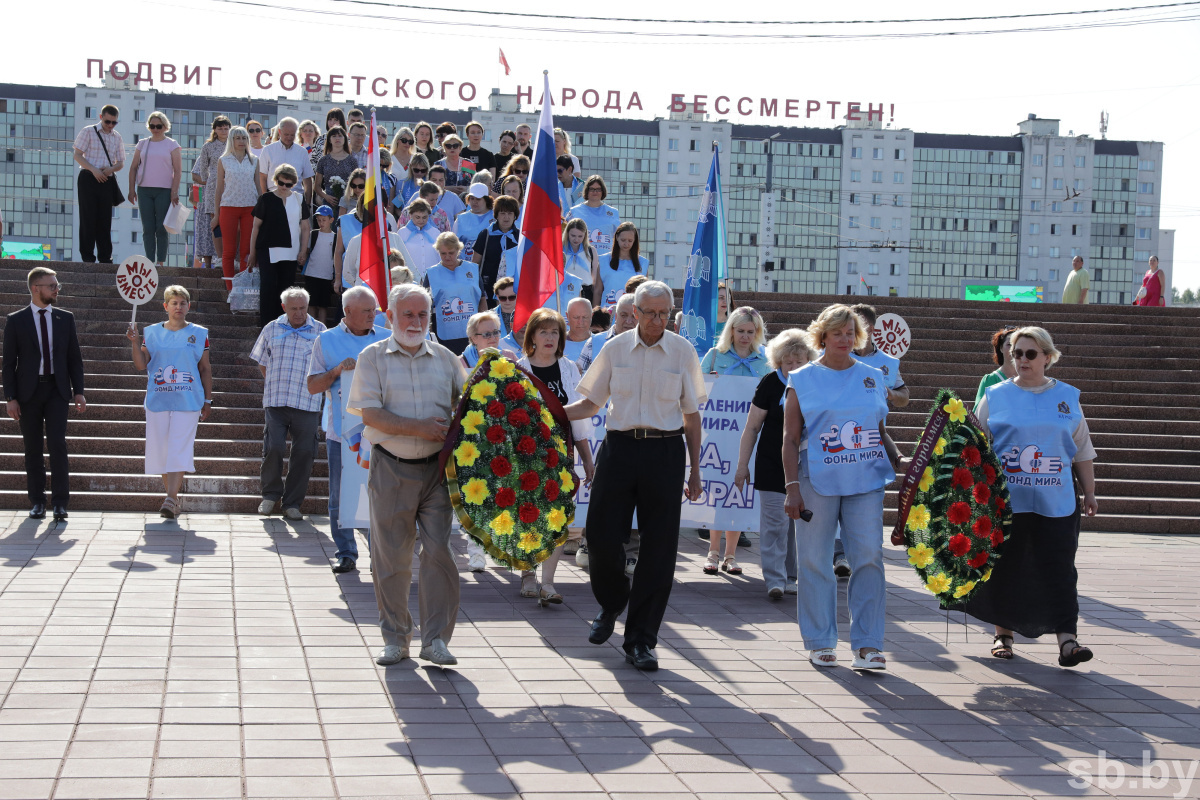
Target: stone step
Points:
(135, 446)
(135, 464)
(150, 501)
(199, 484)
(100, 397)
(1096, 424)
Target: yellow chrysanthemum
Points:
(529, 542)
(547, 418)
(472, 420)
(556, 519)
(926, 479)
(956, 410)
(502, 368)
(987, 576)
(938, 583)
(481, 391)
(965, 589)
(475, 491)
(503, 524)
(940, 447)
(920, 556)
(918, 518)
(465, 454)
(566, 480)
(529, 389)
(560, 445)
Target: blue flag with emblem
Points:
(706, 265)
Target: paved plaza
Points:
(218, 657)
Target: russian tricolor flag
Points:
(541, 261)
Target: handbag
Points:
(245, 292)
(177, 218)
(118, 197)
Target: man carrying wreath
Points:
(406, 388)
(653, 379)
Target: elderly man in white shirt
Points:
(286, 151)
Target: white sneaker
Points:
(437, 652)
(266, 507)
(774, 593)
(477, 563)
(392, 654)
(293, 514)
(581, 557)
(841, 567)
(630, 566)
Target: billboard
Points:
(29, 251)
(994, 293)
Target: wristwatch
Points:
(208, 401)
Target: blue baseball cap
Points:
(324, 211)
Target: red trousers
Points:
(236, 225)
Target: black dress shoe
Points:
(642, 657)
(602, 627)
(345, 564)
(38, 511)
(60, 512)
(743, 540)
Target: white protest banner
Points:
(354, 511)
(722, 506)
(137, 282)
(892, 335)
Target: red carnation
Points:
(982, 527)
(495, 434)
(999, 503)
(959, 545)
(552, 490)
(958, 513)
(544, 430)
(551, 458)
(970, 456)
(518, 417)
(978, 560)
(495, 409)
(997, 537)
(501, 466)
(505, 497)
(529, 481)
(514, 391)
(528, 513)
(526, 446)
(962, 478)
(989, 472)
(534, 407)
(981, 493)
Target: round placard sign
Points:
(892, 335)
(137, 280)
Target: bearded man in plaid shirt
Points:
(283, 351)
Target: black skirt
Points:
(320, 291)
(1033, 586)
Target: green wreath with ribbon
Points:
(954, 512)
(509, 465)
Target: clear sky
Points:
(1144, 75)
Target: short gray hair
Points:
(653, 289)
(625, 300)
(288, 120)
(792, 342)
(402, 292)
(355, 293)
(293, 292)
(477, 319)
(575, 300)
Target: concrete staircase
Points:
(107, 442)
(1138, 370)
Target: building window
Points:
(855, 175)
(672, 191)
(1145, 165)
(1054, 252)
(815, 173)
(877, 153)
(133, 237)
(1035, 183)
(1035, 228)
(1077, 207)
(10, 155)
(1035, 205)
(897, 201)
(876, 222)
(1012, 158)
(1058, 161)
(45, 181)
(1145, 211)
(645, 188)
(876, 199)
(897, 224)
(852, 267)
(673, 168)
(1033, 251)
(897, 177)
(899, 153)
(1076, 251)
(693, 215)
(854, 222)
(1056, 206)
(1053, 230)
(1033, 275)
(1037, 160)
(134, 215)
(872, 269)
(894, 269)
(1143, 233)
(1052, 275)
(1057, 183)
(669, 236)
(1080, 161)
(672, 144)
(693, 191)
(856, 152)
(1145, 188)
(693, 169)
(670, 216)
(877, 177)
(693, 147)
(853, 196)
(668, 261)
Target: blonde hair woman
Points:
(562, 147)
(454, 285)
(156, 169)
(236, 196)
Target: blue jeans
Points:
(347, 547)
(861, 518)
(777, 540)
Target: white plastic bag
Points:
(245, 292)
(177, 218)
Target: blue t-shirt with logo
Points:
(602, 224)
(456, 297)
(173, 374)
(614, 279)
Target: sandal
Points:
(529, 585)
(731, 566)
(1077, 656)
(872, 659)
(824, 657)
(712, 564)
(169, 510)
(1000, 649)
(548, 595)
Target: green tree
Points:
(1188, 297)
(1174, 295)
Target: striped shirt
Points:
(285, 352)
(89, 144)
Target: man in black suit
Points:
(43, 374)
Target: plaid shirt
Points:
(285, 352)
(87, 142)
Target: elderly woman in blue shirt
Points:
(739, 352)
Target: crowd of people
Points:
(290, 206)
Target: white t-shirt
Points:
(275, 154)
(292, 204)
(320, 260)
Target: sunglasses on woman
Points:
(488, 334)
(285, 184)
(406, 141)
(420, 172)
(504, 298)
(453, 146)
(358, 186)
(1028, 355)
(255, 130)
(520, 172)
(155, 127)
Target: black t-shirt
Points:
(768, 461)
(552, 377)
(501, 162)
(491, 250)
(483, 159)
(276, 229)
